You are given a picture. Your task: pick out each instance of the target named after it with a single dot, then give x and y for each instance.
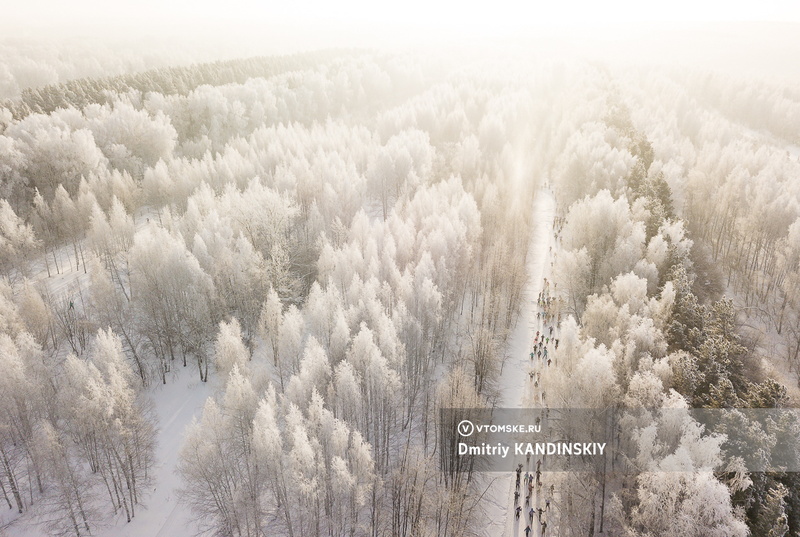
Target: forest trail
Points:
(176, 404)
(515, 383)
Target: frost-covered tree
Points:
(17, 243)
(229, 350)
(173, 297)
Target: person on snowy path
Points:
(517, 511)
(516, 497)
(527, 531)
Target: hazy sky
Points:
(495, 16)
(673, 31)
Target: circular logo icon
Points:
(466, 428)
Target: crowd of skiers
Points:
(549, 316)
(549, 309)
(529, 512)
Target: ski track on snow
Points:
(515, 384)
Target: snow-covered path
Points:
(176, 403)
(515, 382)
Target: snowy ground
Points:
(516, 386)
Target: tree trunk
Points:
(12, 481)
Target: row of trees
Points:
(75, 436)
(45, 95)
(655, 344)
(743, 157)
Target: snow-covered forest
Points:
(235, 295)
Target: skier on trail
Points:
(517, 511)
